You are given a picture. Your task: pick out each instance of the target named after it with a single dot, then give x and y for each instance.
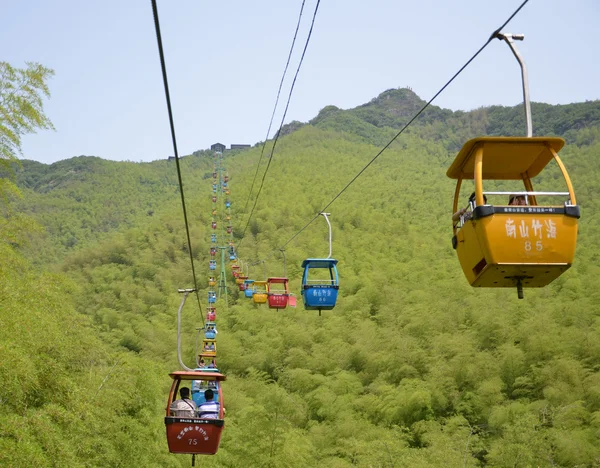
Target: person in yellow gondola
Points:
(210, 408)
(517, 200)
(463, 211)
(184, 408)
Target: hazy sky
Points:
(225, 60)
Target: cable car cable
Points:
(170, 111)
(492, 37)
(282, 120)
(275, 107)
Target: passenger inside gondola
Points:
(517, 200)
(209, 346)
(210, 408)
(466, 212)
(184, 407)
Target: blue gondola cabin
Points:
(320, 283)
(249, 288)
(212, 297)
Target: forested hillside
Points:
(412, 368)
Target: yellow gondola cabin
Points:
(504, 245)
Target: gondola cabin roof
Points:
(197, 375)
(278, 280)
(319, 262)
(505, 158)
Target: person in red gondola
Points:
(210, 408)
(184, 408)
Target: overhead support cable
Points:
(282, 120)
(168, 97)
(493, 36)
(275, 107)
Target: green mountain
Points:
(412, 368)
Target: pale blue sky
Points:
(225, 60)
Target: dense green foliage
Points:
(412, 368)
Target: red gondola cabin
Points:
(278, 292)
(194, 435)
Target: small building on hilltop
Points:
(238, 147)
(218, 147)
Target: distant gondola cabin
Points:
(278, 292)
(209, 348)
(212, 297)
(260, 294)
(249, 288)
(210, 330)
